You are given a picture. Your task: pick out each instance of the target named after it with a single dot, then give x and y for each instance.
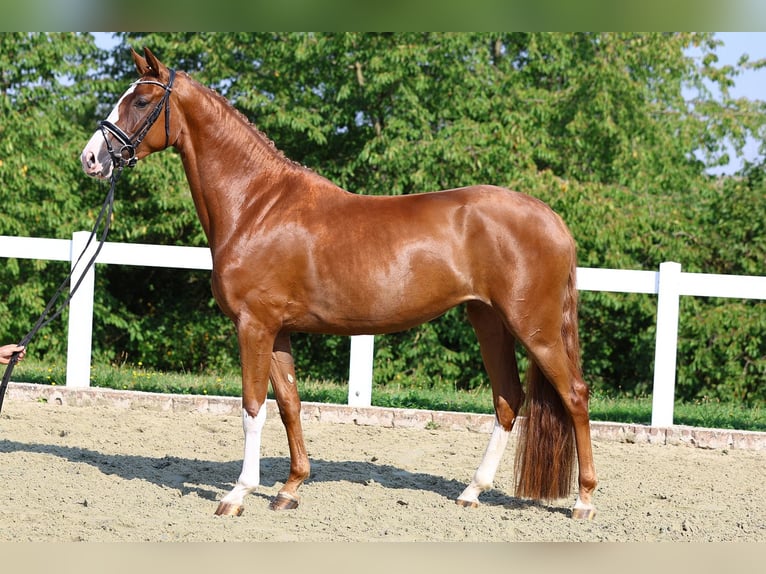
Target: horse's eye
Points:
(141, 103)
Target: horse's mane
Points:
(268, 142)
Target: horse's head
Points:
(136, 126)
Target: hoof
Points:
(467, 503)
(284, 501)
(226, 509)
(583, 513)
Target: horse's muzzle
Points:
(93, 166)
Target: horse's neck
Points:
(228, 163)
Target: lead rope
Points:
(52, 311)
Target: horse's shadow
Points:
(208, 479)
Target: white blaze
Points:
(95, 157)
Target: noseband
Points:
(126, 155)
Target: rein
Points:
(126, 155)
(52, 310)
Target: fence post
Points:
(360, 371)
(80, 331)
(666, 344)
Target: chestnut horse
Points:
(294, 252)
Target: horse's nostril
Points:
(89, 162)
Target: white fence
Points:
(669, 284)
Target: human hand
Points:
(7, 351)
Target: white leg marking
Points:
(580, 505)
(250, 477)
(485, 474)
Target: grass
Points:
(623, 408)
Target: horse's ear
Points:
(157, 68)
(141, 65)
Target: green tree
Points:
(43, 107)
(722, 343)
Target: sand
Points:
(111, 472)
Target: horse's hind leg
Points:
(574, 395)
(282, 376)
(499, 356)
(549, 354)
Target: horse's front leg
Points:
(255, 352)
(286, 394)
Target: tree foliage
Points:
(598, 125)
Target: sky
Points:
(750, 84)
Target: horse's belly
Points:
(381, 310)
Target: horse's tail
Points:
(545, 453)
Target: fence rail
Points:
(669, 283)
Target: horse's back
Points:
(482, 218)
(514, 212)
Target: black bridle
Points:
(126, 155)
